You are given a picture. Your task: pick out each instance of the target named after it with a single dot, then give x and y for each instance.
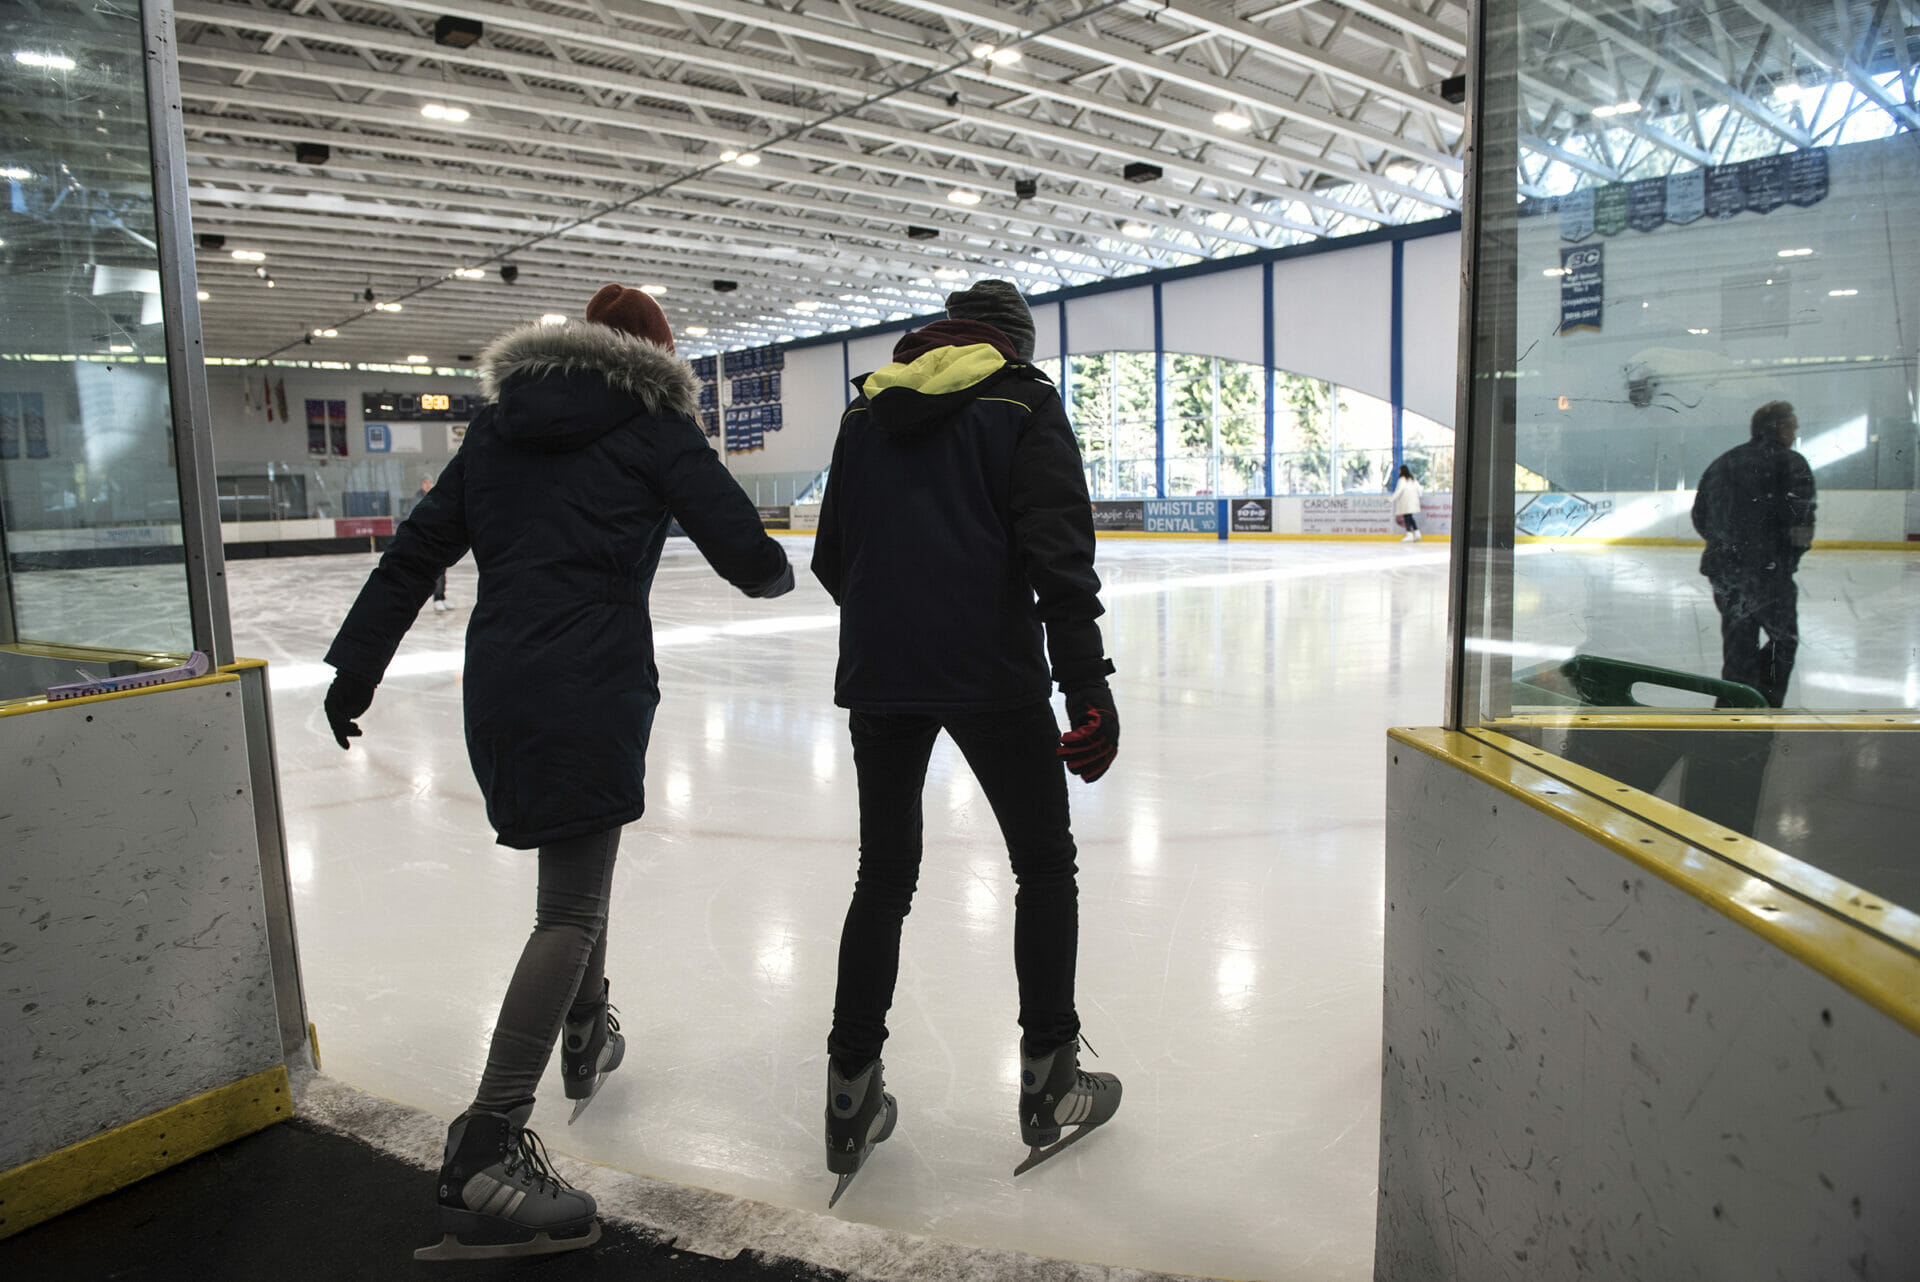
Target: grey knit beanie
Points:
(999, 304)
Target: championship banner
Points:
(1807, 177)
(1582, 287)
(1576, 214)
(1647, 204)
(1764, 182)
(1725, 196)
(1687, 196)
(1610, 209)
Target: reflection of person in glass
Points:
(1755, 510)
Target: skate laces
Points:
(531, 1156)
(613, 1018)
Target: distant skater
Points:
(1755, 510)
(563, 490)
(955, 535)
(440, 605)
(1406, 505)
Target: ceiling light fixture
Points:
(553, 318)
(1557, 271)
(1795, 253)
(695, 331)
(416, 359)
(1231, 119)
(249, 256)
(326, 333)
(728, 156)
(1842, 293)
(16, 173)
(1698, 331)
(435, 111)
(386, 307)
(806, 305)
(1004, 57)
(1611, 110)
(1134, 231)
(51, 61)
(469, 273)
(949, 273)
(653, 289)
(202, 295)
(983, 51)
(747, 159)
(963, 196)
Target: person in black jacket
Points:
(407, 505)
(1755, 510)
(957, 538)
(563, 490)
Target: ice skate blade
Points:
(580, 1105)
(450, 1247)
(840, 1186)
(1037, 1155)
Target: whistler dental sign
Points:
(1582, 287)
(1183, 516)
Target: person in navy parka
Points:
(563, 490)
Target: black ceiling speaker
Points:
(212, 240)
(367, 294)
(509, 272)
(1454, 89)
(1140, 171)
(1025, 188)
(725, 286)
(312, 153)
(456, 33)
(921, 233)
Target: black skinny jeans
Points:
(560, 970)
(1750, 604)
(1012, 754)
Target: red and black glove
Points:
(347, 698)
(1089, 747)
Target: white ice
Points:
(1230, 886)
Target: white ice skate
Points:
(1054, 1093)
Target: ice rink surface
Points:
(1230, 885)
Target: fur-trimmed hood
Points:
(515, 371)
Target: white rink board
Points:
(137, 972)
(1589, 1072)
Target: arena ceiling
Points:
(848, 162)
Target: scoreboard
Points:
(407, 407)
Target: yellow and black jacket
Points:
(954, 529)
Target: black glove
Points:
(347, 698)
(1089, 747)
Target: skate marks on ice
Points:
(700, 1220)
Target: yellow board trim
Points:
(1650, 541)
(73, 1176)
(1666, 719)
(40, 702)
(1866, 962)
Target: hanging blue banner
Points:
(1582, 287)
(1764, 182)
(1724, 195)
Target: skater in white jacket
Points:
(1406, 505)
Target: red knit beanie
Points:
(631, 311)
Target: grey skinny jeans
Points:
(560, 972)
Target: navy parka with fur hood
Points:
(563, 489)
